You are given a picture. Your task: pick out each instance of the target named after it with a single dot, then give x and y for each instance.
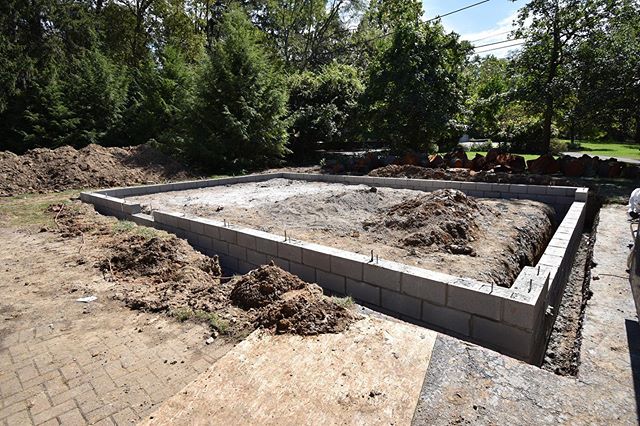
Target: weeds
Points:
(184, 314)
(345, 302)
(128, 227)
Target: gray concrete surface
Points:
(466, 384)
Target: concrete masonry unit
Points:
(516, 321)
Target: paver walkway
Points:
(64, 362)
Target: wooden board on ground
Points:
(370, 374)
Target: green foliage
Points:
(415, 90)
(159, 102)
(239, 119)
(489, 91)
(324, 107)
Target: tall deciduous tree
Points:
(415, 89)
(550, 29)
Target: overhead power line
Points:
(459, 10)
(501, 47)
(497, 42)
(490, 36)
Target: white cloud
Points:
(500, 32)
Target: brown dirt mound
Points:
(445, 220)
(305, 312)
(46, 170)
(264, 286)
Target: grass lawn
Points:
(610, 149)
(527, 157)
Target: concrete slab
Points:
(370, 374)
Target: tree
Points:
(489, 87)
(415, 88)
(324, 107)
(550, 29)
(239, 119)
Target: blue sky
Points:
(489, 21)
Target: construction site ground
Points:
(68, 362)
(486, 239)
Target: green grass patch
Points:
(345, 302)
(211, 318)
(610, 149)
(128, 227)
(31, 209)
(527, 157)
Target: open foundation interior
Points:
(489, 240)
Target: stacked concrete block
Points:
(509, 320)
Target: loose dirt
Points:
(156, 272)
(485, 239)
(563, 351)
(46, 170)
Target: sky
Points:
(483, 24)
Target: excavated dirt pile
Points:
(287, 304)
(445, 220)
(157, 272)
(47, 170)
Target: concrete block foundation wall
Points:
(512, 321)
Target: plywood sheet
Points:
(370, 374)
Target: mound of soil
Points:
(46, 170)
(264, 286)
(305, 312)
(286, 304)
(162, 259)
(445, 220)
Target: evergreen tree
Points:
(239, 116)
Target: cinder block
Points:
(382, 275)
(267, 246)
(204, 242)
(245, 267)
(220, 247)
(425, 287)
(332, 282)
(513, 341)
(143, 219)
(447, 318)
(246, 240)
(228, 235)
(306, 273)
(290, 252)
(520, 310)
(256, 258)
(363, 292)
(313, 255)
(400, 303)
(165, 218)
(582, 194)
(197, 226)
(211, 230)
(351, 267)
(537, 189)
(229, 264)
(238, 252)
(473, 298)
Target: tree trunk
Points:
(638, 127)
(549, 95)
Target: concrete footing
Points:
(511, 321)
